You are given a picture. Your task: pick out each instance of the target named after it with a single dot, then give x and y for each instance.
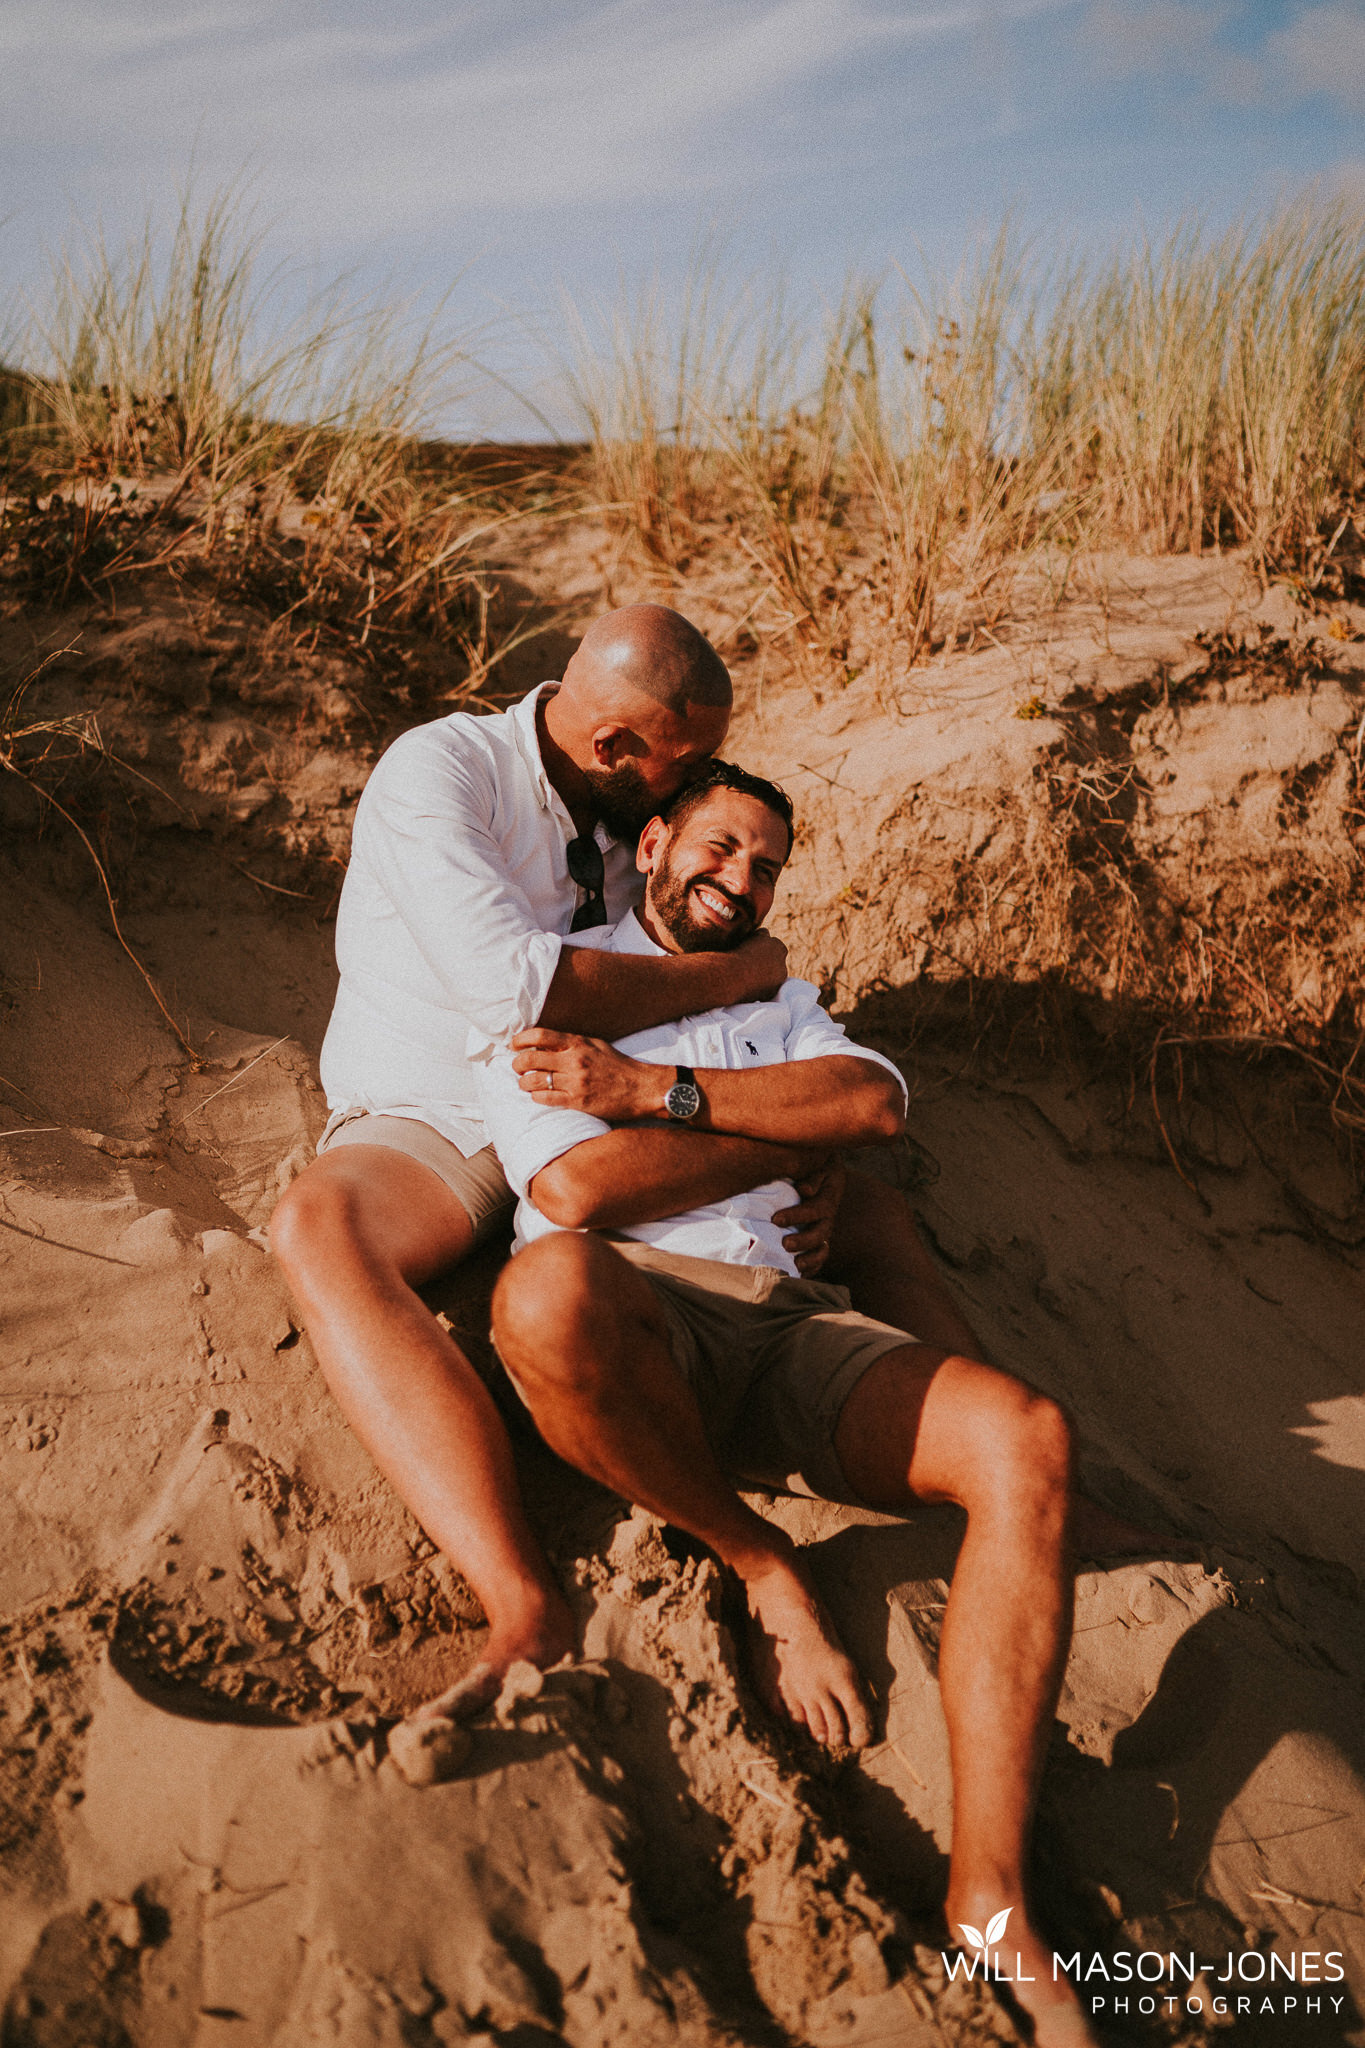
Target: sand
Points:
(213, 1613)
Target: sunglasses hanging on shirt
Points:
(586, 869)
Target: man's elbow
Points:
(564, 1198)
(885, 1114)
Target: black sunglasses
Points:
(586, 869)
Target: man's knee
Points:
(1025, 1443)
(1047, 1442)
(316, 1213)
(550, 1302)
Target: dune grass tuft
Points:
(179, 406)
(889, 474)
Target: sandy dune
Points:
(213, 1610)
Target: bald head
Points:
(655, 651)
(643, 706)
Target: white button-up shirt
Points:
(452, 916)
(739, 1230)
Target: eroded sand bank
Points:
(213, 1608)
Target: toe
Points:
(858, 1718)
(476, 1690)
(823, 1721)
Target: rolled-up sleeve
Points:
(527, 1134)
(425, 830)
(812, 1034)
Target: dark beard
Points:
(670, 901)
(622, 800)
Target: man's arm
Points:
(614, 994)
(620, 1177)
(641, 1175)
(830, 1100)
(827, 1090)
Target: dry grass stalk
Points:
(26, 746)
(1199, 393)
(174, 412)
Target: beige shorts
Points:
(771, 1360)
(478, 1182)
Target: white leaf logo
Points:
(995, 1927)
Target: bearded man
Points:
(479, 844)
(667, 1345)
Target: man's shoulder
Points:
(463, 745)
(459, 732)
(795, 999)
(799, 995)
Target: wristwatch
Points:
(683, 1099)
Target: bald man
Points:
(479, 844)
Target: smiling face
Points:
(711, 876)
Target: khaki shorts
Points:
(478, 1182)
(771, 1360)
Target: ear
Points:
(610, 745)
(651, 844)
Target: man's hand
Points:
(761, 968)
(563, 1071)
(812, 1220)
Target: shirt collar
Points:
(630, 936)
(521, 719)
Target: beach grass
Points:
(888, 472)
(180, 405)
(890, 475)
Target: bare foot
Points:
(799, 1663)
(1020, 1962)
(540, 1636)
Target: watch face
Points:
(683, 1099)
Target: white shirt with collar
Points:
(454, 908)
(740, 1230)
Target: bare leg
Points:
(923, 1426)
(876, 1251)
(583, 1333)
(355, 1233)
(878, 1254)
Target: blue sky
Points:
(526, 145)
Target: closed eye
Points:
(725, 843)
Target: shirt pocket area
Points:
(757, 1041)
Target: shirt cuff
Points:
(865, 1052)
(553, 1133)
(539, 959)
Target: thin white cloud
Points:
(86, 29)
(1322, 51)
(1134, 37)
(592, 105)
(1318, 52)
